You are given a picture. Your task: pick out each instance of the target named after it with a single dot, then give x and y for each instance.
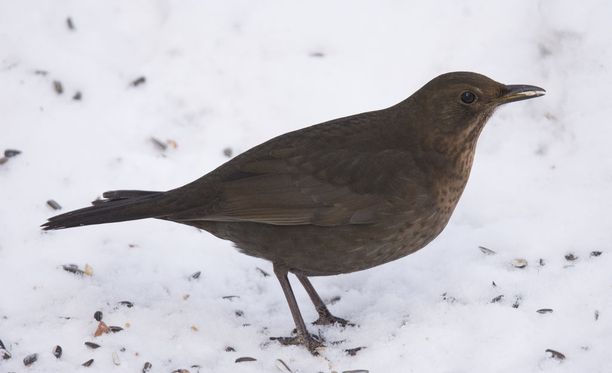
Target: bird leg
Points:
(303, 337)
(325, 317)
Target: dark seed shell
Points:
(58, 87)
(69, 23)
(230, 349)
(2, 345)
(54, 205)
(497, 298)
(139, 81)
(77, 96)
(544, 310)
(4, 354)
(30, 359)
(57, 351)
(230, 297)
(98, 315)
(147, 367)
(353, 351)
(245, 359)
(126, 303)
(115, 329)
(196, 275)
(555, 354)
(593, 253)
(570, 257)
(88, 363)
(73, 268)
(92, 345)
(11, 153)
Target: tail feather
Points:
(120, 205)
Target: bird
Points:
(337, 197)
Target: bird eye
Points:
(468, 97)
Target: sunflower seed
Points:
(353, 351)
(228, 152)
(570, 257)
(230, 349)
(544, 310)
(78, 96)
(160, 144)
(58, 87)
(497, 298)
(116, 360)
(596, 253)
(245, 359)
(30, 359)
(282, 366)
(596, 315)
(138, 81)
(519, 263)
(147, 367)
(3, 160)
(9, 153)
(486, 250)
(196, 275)
(98, 315)
(230, 297)
(555, 354)
(88, 363)
(54, 205)
(92, 345)
(126, 303)
(57, 351)
(73, 268)
(4, 354)
(115, 329)
(69, 23)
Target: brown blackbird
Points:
(336, 197)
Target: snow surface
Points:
(235, 73)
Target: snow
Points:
(235, 73)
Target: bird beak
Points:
(513, 93)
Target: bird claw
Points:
(312, 342)
(329, 319)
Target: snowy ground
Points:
(232, 74)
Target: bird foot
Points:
(312, 342)
(329, 319)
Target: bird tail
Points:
(117, 205)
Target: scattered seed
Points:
(196, 275)
(333, 300)
(92, 345)
(486, 250)
(230, 297)
(30, 359)
(116, 360)
(4, 354)
(88, 270)
(317, 54)
(230, 349)
(353, 351)
(194, 328)
(555, 354)
(73, 268)
(88, 363)
(159, 144)
(138, 81)
(239, 313)
(58, 87)
(57, 351)
(186, 296)
(102, 329)
(69, 23)
(517, 301)
(3, 160)
(542, 262)
(282, 366)
(245, 359)
(9, 153)
(544, 310)
(126, 303)
(570, 257)
(127, 324)
(54, 205)
(41, 72)
(263, 273)
(78, 96)
(519, 263)
(171, 143)
(448, 298)
(493, 284)
(596, 314)
(228, 152)
(497, 298)
(593, 253)
(98, 315)
(115, 329)
(147, 367)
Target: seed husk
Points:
(519, 263)
(570, 257)
(9, 153)
(138, 81)
(92, 345)
(282, 366)
(545, 310)
(147, 367)
(486, 250)
(115, 329)
(54, 205)
(88, 363)
(98, 315)
(30, 359)
(497, 298)
(195, 275)
(126, 303)
(244, 359)
(58, 87)
(596, 253)
(353, 351)
(555, 354)
(57, 351)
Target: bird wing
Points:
(291, 187)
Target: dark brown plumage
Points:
(337, 197)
